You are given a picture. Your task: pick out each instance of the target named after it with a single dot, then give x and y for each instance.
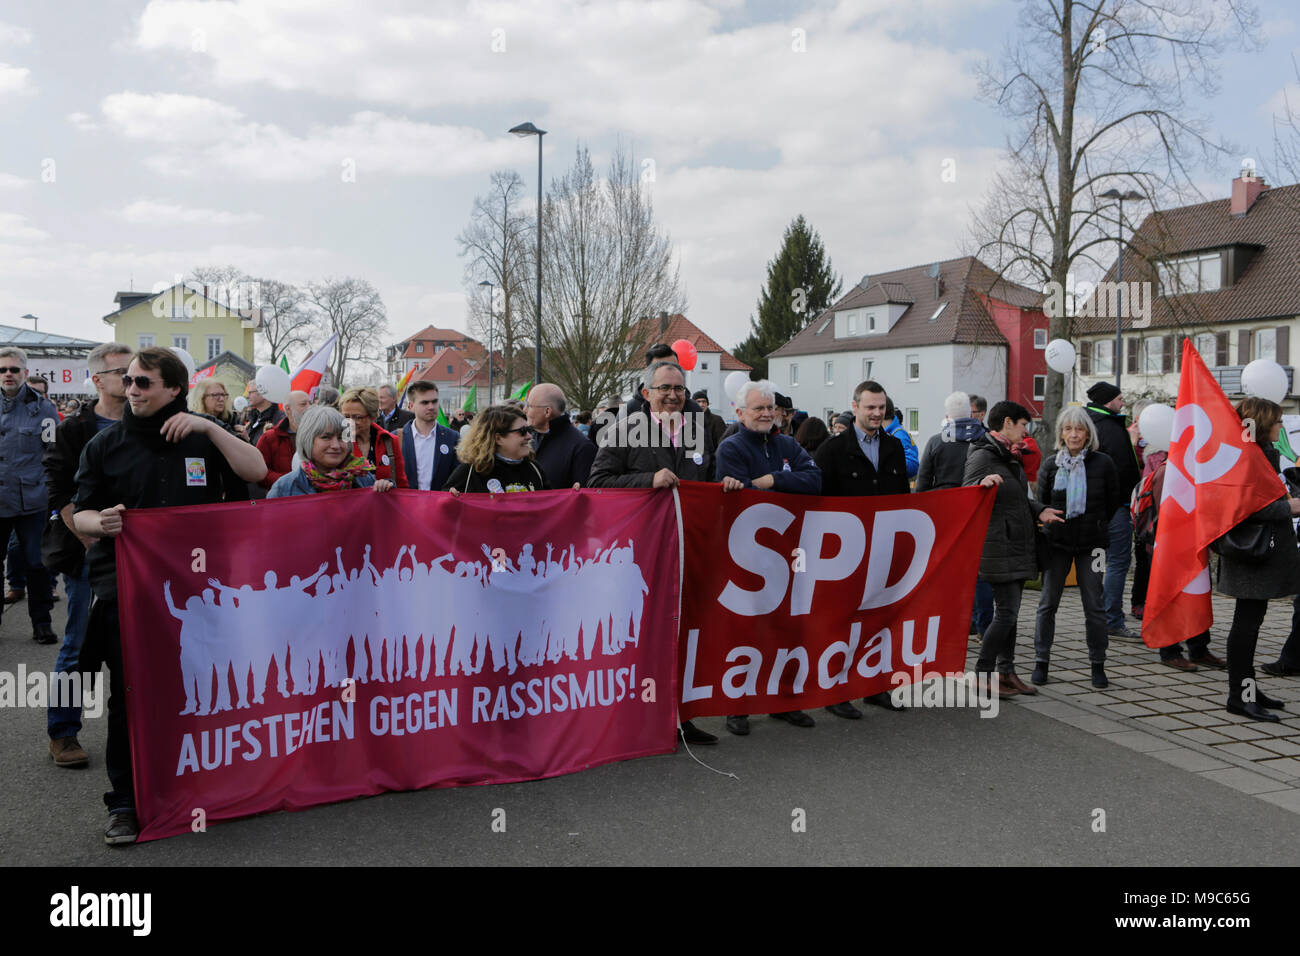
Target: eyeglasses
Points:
(112, 371)
(665, 389)
(526, 430)
(12, 369)
(142, 382)
(218, 395)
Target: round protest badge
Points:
(494, 486)
(697, 458)
(383, 459)
(444, 449)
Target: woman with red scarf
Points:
(381, 448)
(327, 464)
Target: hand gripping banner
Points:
(299, 651)
(794, 601)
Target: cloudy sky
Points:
(141, 138)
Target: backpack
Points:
(1145, 509)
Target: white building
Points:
(712, 366)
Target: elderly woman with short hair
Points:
(327, 461)
(1083, 484)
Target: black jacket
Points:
(1279, 576)
(635, 447)
(1010, 547)
(505, 477)
(1114, 438)
(1092, 528)
(130, 463)
(943, 463)
(396, 420)
(61, 550)
(564, 453)
(716, 426)
(846, 470)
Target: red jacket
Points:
(277, 446)
(1030, 459)
(386, 453)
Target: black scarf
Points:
(148, 428)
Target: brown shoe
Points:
(1180, 662)
(1000, 683)
(1015, 681)
(68, 753)
(13, 597)
(1209, 660)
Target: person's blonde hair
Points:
(368, 398)
(200, 391)
(478, 446)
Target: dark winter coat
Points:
(1010, 552)
(564, 453)
(635, 447)
(747, 455)
(944, 462)
(1115, 441)
(846, 470)
(1092, 528)
(1279, 576)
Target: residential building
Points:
(712, 365)
(186, 317)
(922, 332)
(455, 372)
(421, 347)
(1222, 274)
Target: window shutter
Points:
(1221, 348)
(1167, 354)
(1243, 347)
(1284, 345)
(1134, 350)
(1178, 354)
(1085, 358)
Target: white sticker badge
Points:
(196, 472)
(697, 458)
(444, 449)
(494, 486)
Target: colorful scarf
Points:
(1013, 450)
(336, 479)
(1073, 478)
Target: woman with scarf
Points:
(496, 455)
(1082, 483)
(1009, 558)
(327, 461)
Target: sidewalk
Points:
(1172, 715)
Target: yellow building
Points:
(187, 317)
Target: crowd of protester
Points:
(1068, 505)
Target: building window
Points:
(450, 369)
(1190, 274)
(146, 341)
(871, 322)
(913, 364)
(181, 342)
(794, 373)
(214, 346)
(866, 368)
(1040, 387)
(1265, 342)
(1103, 357)
(419, 346)
(851, 323)
(1153, 355)
(913, 420)
(828, 377)
(1206, 347)
(1040, 338)
(704, 366)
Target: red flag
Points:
(310, 373)
(201, 375)
(1213, 480)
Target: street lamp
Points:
(528, 129)
(1119, 273)
(491, 318)
(34, 320)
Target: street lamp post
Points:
(34, 320)
(528, 129)
(1119, 274)
(491, 322)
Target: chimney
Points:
(1246, 188)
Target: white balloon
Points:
(273, 383)
(241, 403)
(731, 384)
(464, 430)
(89, 387)
(1059, 355)
(1156, 423)
(296, 463)
(1264, 378)
(187, 358)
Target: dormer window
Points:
(419, 346)
(1202, 272)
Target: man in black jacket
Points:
(864, 460)
(563, 452)
(63, 549)
(157, 456)
(391, 418)
(712, 420)
(1105, 401)
(943, 462)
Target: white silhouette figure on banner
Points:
(523, 612)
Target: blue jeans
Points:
(66, 721)
(1118, 557)
(15, 565)
(40, 593)
(982, 614)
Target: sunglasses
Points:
(11, 369)
(525, 430)
(142, 382)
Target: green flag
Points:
(442, 417)
(284, 364)
(471, 400)
(522, 392)
(1283, 445)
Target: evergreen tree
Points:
(800, 284)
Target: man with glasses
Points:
(428, 449)
(563, 452)
(27, 424)
(15, 562)
(64, 548)
(261, 415)
(158, 456)
(757, 457)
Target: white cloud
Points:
(196, 135)
(83, 121)
(153, 213)
(10, 181)
(1284, 100)
(15, 228)
(11, 35)
(15, 79)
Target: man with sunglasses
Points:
(159, 455)
(27, 423)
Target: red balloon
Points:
(686, 354)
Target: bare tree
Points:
(1098, 92)
(228, 284)
(286, 321)
(605, 267)
(352, 310)
(496, 247)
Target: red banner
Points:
(802, 601)
(291, 652)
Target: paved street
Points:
(923, 787)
